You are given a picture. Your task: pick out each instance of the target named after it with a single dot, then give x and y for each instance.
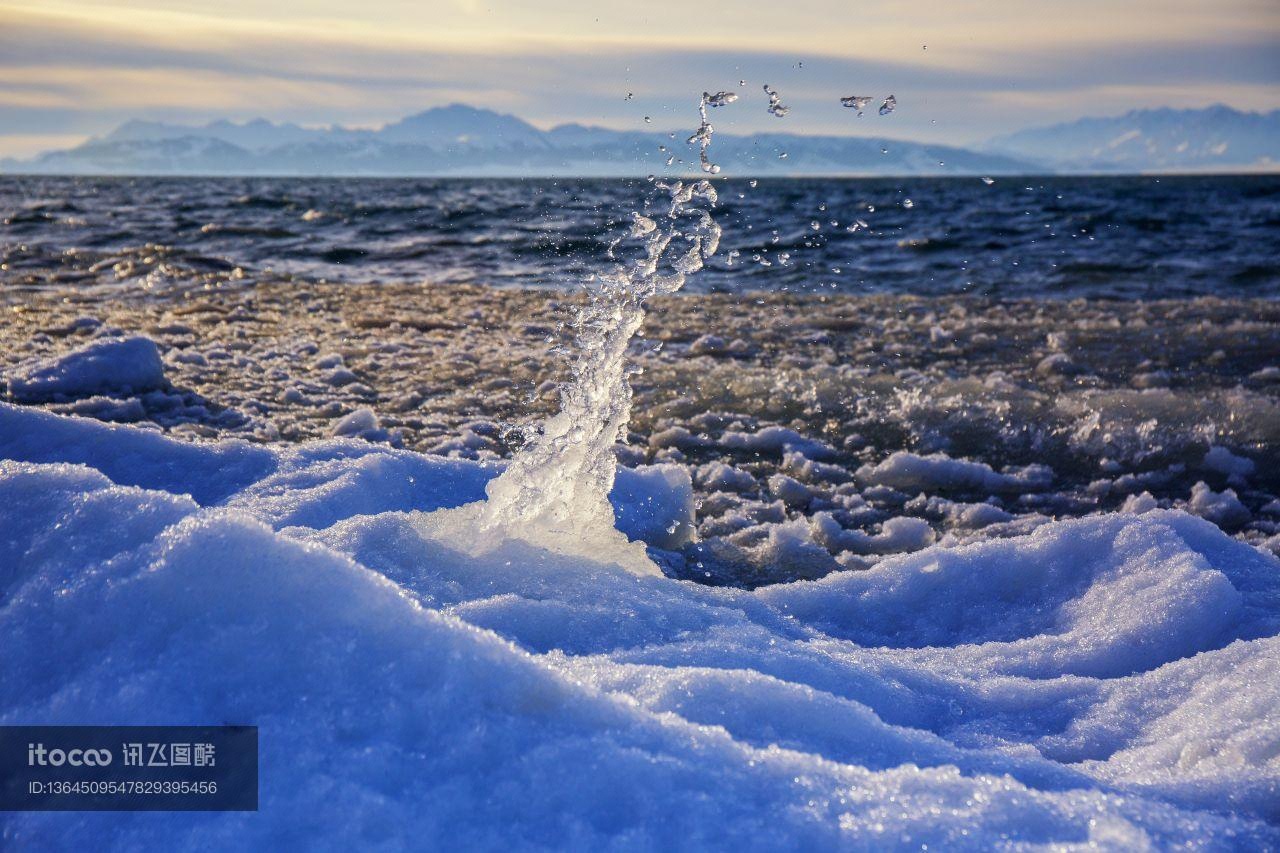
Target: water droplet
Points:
(856, 102)
(889, 105)
(648, 120)
(719, 99)
(908, 203)
(782, 156)
(629, 96)
(775, 102)
(988, 181)
(702, 136)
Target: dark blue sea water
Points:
(1118, 237)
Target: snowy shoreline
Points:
(1108, 680)
(914, 575)
(820, 433)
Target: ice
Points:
(1222, 508)
(865, 376)
(896, 535)
(1238, 469)
(1139, 503)
(904, 470)
(719, 477)
(790, 491)
(1107, 680)
(362, 423)
(776, 440)
(111, 364)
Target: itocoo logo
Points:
(37, 755)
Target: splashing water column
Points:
(554, 494)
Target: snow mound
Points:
(113, 365)
(1108, 680)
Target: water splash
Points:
(890, 103)
(702, 136)
(775, 102)
(856, 102)
(554, 494)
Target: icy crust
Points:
(1109, 680)
(853, 420)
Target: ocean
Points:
(1133, 237)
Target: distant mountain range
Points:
(1217, 138)
(464, 140)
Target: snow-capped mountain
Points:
(1215, 138)
(464, 140)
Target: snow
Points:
(776, 440)
(361, 423)
(1237, 469)
(718, 476)
(790, 491)
(112, 364)
(911, 471)
(1109, 679)
(1222, 508)
(896, 535)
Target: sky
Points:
(962, 71)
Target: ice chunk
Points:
(790, 491)
(896, 536)
(1140, 503)
(912, 472)
(361, 422)
(1222, 508)
(116, 365)
(655, 504)
(717, 476)
(1238, 469)
(777, 440)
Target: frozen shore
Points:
(915, 572)
(820, 433)
(1107, 680)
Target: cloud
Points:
(66, 65)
